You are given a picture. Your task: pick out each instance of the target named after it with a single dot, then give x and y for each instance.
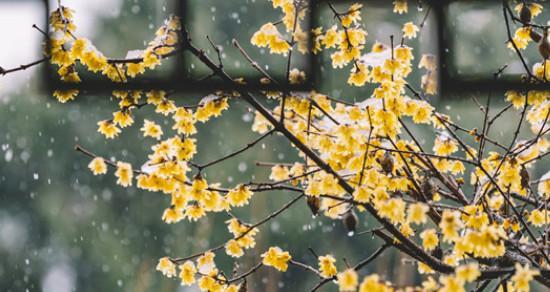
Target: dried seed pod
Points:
(535, 36)
(524, 174)
(525, 14)
(314, 204)
(350, 221)
(387, 162)
(544, 45)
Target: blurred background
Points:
(62, 229)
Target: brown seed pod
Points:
(544, 45)
(387, 163)
(524, 174)
(535, 36)
(350, 220)
(525, 14)
(314, 204)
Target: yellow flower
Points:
(444, 145)
(521, 38)
(232, 248)
(187, 273)
(80, 45)
(410, 30)
(184, 122)
(279, 46)
(450, 224)
(424, 269)
(326, 266)
(517, 99)
(279, 172)
(393, 209)
(61, 58)
(347, 280)
(429, 239)
(423, 113)
(417, 213)
(429, 285)
(468, 273)
(361, 195)
(62, 20)
(166, 267)
(123, 118)
(331, 38)
(268, 35)
(372, 284)
(359, 75)
(134, 69)
(65, 95)
(522, 277)
(172, 215)
(150, 59)
(239, 196)
(108, 129)
(451, 284)
(355, 37)
(155, 96)
(151, 129)
(124, 174)
(212, 107)
(194, 212)
(261, 37)
(94, 60)
(538, 218)
(277, 258)
(98, 166)
(165, 107)
(400, 6)
(353, 15)
(205, 263)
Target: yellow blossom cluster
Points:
(66, 51)
(355, 158)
